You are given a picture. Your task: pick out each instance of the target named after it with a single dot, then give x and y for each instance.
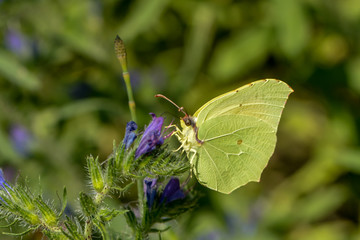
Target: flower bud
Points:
(97, 178)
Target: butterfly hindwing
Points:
(231, 156)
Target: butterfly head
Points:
(189, 133)
(189, 121)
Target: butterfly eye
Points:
(187, 121)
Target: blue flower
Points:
(172, 191)
(151, 137)
(150, 190)
(14, 41)
(20, 139)
(130, 136)
(2, 180)
(3, 183)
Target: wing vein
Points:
(215, 168)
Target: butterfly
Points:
(230, 139)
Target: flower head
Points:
(150, 190)
(172, 191)
(151, 137)
(130, 136)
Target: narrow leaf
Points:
(64, 202)
(102, 230)
(12, 70)
(19, 234)
(9, 225)
(87, 205)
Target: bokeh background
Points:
(62, 98)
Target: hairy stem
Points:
(121, 55)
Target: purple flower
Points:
(130, 136)
(150, 190)
(15, 41)
(151, 137)
(2, 180)
(172, 191)
(20, 139)
(3, 183)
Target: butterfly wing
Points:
(263, 99)
(238, 129)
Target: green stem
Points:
(88, 230)
(140, 188)
(121, 55)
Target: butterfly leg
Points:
(192, 152)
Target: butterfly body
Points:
(188, 136)
(231, 138)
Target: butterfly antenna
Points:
(181, 109)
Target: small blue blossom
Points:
(3, 183)
(20, 138)
(151, 137)
(15, 41)
(130, 136)
(172, 191)
(150, 190)
(2, 180)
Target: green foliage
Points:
(63, 86)
(21, 206)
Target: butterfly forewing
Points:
(263, 99)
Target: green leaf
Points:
(73, 231)
(107, 215)
(353, 71)
(99, 225)
(49, 216)
(131, 220)
(123, 189)
(197, 45)
(239, 54)
(19, 234)
(10, 224)
(349, 159)
(88, 206)
(96, 175)
(110, 171)
(16, 73)
(142, 17)
(320, 203)
(64, 202)
(84, 44)
(291, 26)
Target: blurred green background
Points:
(62, 98)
